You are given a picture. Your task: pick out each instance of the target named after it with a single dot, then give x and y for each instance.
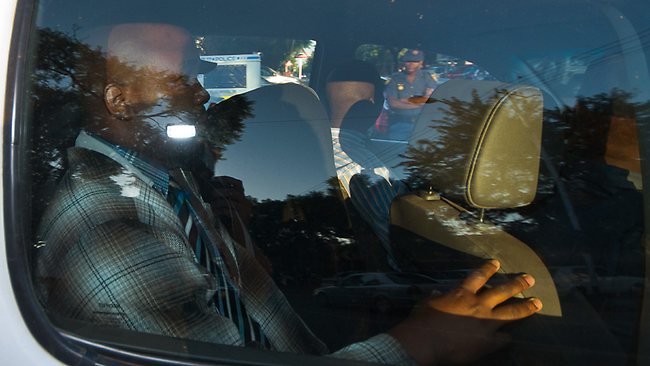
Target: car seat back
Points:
(479, 142)
(476, 143)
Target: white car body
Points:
(17, 345)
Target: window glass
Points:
(563, 73)
(442, 67)
(220, 176)
(352, 281)
(409, 278)
(234, 65)
(227, 76)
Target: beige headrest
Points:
(479, 141)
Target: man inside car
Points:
(369, 183)
(128, 242)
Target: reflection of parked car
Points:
(591, 280)
(443, 69)
(382, 291)
(440, 72)
(469, 72)
(270, 76)
(332, 281)
(570, 278)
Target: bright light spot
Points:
(344, 241)
(181, 131)
(126, 182)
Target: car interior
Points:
(541, 166)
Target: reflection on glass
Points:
(585, 221)
(227, 76)
(589, 235)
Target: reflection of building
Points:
(233, 74)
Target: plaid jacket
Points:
(113, 252)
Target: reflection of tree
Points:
(225, 123)
(590, 223)
(67, 76)
(589, 121)
(310, 236)
(384, 59)
(67, 85)
(602, 199)
(302, 235)
(452, 136)
(422, 160)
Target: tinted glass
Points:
(313, 173)
(226, 77)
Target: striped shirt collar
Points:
(154, 175)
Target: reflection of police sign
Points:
(231, 58)
(233, 74)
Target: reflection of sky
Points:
(525, 25)
(275, 159)
(285, 147)
(537, 57)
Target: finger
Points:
(517, 310)
(498, 294)
(479, 278)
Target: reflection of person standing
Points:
(400, 93)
